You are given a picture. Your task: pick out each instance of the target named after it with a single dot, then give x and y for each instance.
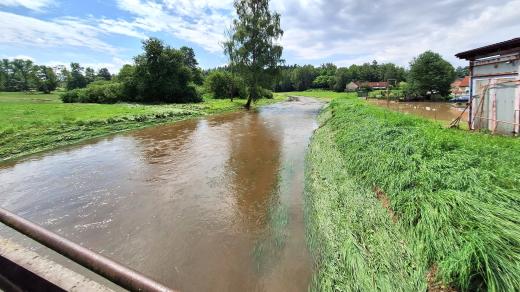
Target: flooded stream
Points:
(214, 204)
(439, 111)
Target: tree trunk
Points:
(248, 104)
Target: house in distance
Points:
(495, 87)
(460, 87)
(353, 86)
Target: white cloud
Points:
(392, 30)
(29, 4)
(200, 22)
(113, 66)
(29, 31)
(342, 31)
(22, 57)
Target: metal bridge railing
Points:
(113, 271)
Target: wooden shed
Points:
(495, 87)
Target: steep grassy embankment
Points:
(31, 123)
(393, 200)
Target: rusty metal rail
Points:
(115, 272)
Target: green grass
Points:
(394, 93)
(455, 194)
(319, 94)
(30, 123)
(24, 98)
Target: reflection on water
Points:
(440, 111)
(203, 205)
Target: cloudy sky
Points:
(107, 33)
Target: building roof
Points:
(464, 82)
(377, 84)
(456, 83)
(494, 49)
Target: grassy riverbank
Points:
(325, 95)
(399, 203)
(30, 123)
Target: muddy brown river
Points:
(439, 111)
(213, 204)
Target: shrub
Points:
(222, 84)
(189, 94)
(70, 96)
(96, 92)
(266, 93)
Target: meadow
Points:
(401, 203)
(34, 122)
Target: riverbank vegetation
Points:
(30, 123)
(400, 203)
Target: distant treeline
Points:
(24, 75)
(329, 76)
(165, 74)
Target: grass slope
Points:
(325, 95)
(455, 194)
(30, 123)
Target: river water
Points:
(214, 204)
(439, 111)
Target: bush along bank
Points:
(400, 203)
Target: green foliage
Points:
(223, 84)
(430, 75)
(45, 78)
(24, 75)
(104, 74)
(96, 92)
(264, 93)
(455, 196)
(328, 76)
(302, 77)
(462, 72)
(76, 78)
(324, 82)
(161, 74)
(252, 47)
(191, 62)
(90, 75)
(127, 77)
(342, 77)
(357, 247)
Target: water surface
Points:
(212, 204)
(439, 111)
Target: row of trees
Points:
(79, 77)
(429, 75)
(24, 75)
(328, 76)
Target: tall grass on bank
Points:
(456, 195)
(356, 245)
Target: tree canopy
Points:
(430, 75)
(252, 47)
(164, 74)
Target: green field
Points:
(30, 123)
(399, 203)
(318, 94)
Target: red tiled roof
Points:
(377, 84)
(464, 82)
(456, 83)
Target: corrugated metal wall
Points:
(496, 90)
